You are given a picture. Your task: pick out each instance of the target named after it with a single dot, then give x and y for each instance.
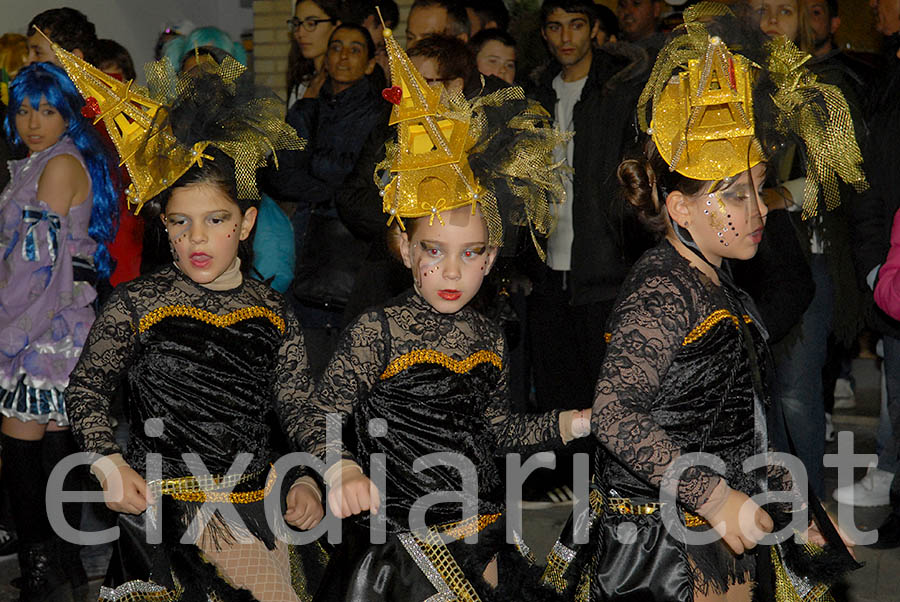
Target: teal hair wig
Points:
(180, 48)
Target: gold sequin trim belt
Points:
(229, 319)
(468, 526)
(429, 356)
(204, 488)
(624, 505)
(710, 321)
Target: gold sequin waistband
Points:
(624, 505)
(207, 488)
(468, 526)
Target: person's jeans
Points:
(891, 369)
(798, 379)
(885, 443)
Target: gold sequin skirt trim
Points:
(786, 591)
(138, 591)
(429, 551)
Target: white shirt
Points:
(559, 245)
(297, 93)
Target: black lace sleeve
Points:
(354, 369)
(648, 328)
(93, 382)
(518, 432)
(293, 385)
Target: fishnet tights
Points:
(266, 573)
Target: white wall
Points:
(135, 23)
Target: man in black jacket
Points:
(592, 93)
(873, 218)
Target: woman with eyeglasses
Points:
(311, 26)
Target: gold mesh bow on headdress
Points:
(495, 151)
(163, 130)
(706, 100)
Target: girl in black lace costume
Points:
(426, 374)
(686, 362)
(207, 357)
(421, 383)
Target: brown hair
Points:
(453, 57)
(637, 178)
(301, 70)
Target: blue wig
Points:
(178, 49)
(51, 82)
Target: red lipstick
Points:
(449, 295)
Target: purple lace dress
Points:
(45, 311)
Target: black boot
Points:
(42, 578)
(56, 446)
(23, 470)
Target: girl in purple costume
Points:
(57, 216)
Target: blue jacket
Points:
(335, 127)
(273, 246)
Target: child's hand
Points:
(814, 535)
(574, 424)
(350, 491)
(737, 518)
(304, 504)
(125, 491)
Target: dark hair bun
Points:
(635, 178)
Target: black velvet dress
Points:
(416, 388)
(204, 372)
(677, 379)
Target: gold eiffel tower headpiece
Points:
(495, 152)
(430, 171)
(706, 100)
(138, 121)
(703, 122)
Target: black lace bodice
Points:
(415, 382)
(211, 364)
(677, 379)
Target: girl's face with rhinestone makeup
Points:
(205, 227)
(726, 220)
(448, 260)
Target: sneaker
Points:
(874, 489)
(829, 428)
(844, 397)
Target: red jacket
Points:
(887, 290)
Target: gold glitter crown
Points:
(137, 121)
(430, 170)
(703, 121)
